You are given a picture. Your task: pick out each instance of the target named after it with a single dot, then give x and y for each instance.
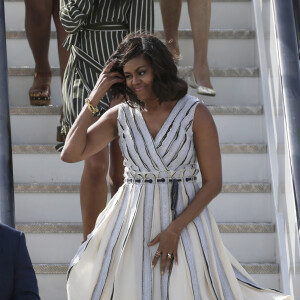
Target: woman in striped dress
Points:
(156, 239)
(96, 27)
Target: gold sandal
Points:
(40, 96)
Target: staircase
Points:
(47, 190)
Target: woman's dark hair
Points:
(167, 86)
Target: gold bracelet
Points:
(90, 107)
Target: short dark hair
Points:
(167, 86)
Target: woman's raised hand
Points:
(105, 81)
(167, 249)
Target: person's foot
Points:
(39, 93)
(202, 75)
(200, 80)
(173, 47)
(202, 90)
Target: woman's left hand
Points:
(168, 244)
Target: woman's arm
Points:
(209, 158)
(85, 137)
(73, 13)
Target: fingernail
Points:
(152, 266)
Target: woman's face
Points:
(139, 77)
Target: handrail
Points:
(296, 8)
(290, 79)
(6, 172)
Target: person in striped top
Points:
(95, 29)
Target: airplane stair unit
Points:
(47, 190)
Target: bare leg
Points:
(37, 26)
(199, 12)
(116, 168)
(93, 185)
(63, 54)
(170, 11)
(93, 189)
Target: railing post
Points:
(7, 207)
(296, 7)
(290, 78)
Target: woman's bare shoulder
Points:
(203, 120)
(202, 113)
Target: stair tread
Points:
(252, 187)
(252, 268)
(215, 110)
(50, 148)
(183, 71)
(183, 34)
(62, 227)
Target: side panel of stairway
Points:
(283, 196)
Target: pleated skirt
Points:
(115, 261)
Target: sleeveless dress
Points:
(160, 181)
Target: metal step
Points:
(239, 91)
(58, 242)
(251, 268)
(44, 228)
(74, 188)
(234, 86)
(225, 148)
(252, 203)
(184, 71)
(39, 163)
(236, 124)
(239, 10)
(215, 110)
(238, 48)
(53, 286)
(48, 167)
(231, 34)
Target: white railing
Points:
(281, 178)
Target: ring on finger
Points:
(170, 255)
(157, 254)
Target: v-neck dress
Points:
(160, 181)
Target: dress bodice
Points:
(172, 150)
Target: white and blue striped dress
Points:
(115, 261)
